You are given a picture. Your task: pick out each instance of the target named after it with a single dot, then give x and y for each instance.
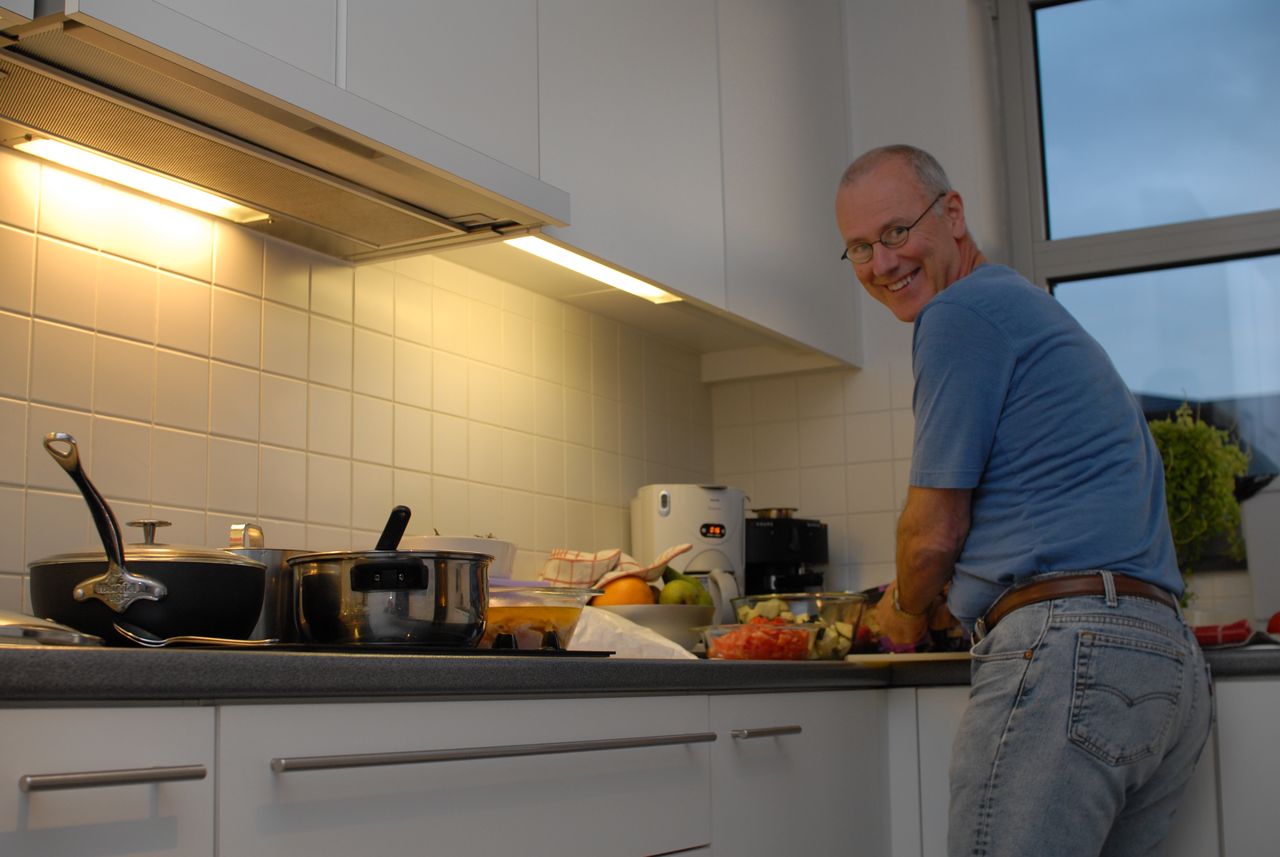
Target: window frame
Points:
(1047, 261)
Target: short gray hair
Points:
(933, 179)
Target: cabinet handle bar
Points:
(97, 779)
(414, 757)
(767, 732)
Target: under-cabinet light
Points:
(566, 258)
(154, 184)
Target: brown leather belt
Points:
(1067, 586)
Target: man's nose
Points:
(883, 259)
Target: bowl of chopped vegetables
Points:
(835, 616)
(760, 640)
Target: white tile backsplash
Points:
(285, 332)
(66, 282)
(282, 412)
(126, 299)
(121, 459)
(331, 290)
(182, 390)
(372, 429)
(13, 441)
(449, 384)
(217, 376)
(412, 310)
(61, 365)
(331, 352)
(233, 401)
(233, 477)
(329, 421)
(374, 302)
(17, 274)
(237, 329)
(183, 314)
(286, 275)
(282, 484)
(179, 468)
(237, 259)
(20, 178)
(15, 354)
(123, 378)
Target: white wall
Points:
(212, 376)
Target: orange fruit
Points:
(625, 590)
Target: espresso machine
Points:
(784, 553)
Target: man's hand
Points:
(903, 630)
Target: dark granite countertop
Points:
(35, 675)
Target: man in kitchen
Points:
(1036, 509)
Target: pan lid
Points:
(150, 551)
(21, 629)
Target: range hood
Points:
(323, 186)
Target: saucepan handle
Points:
(103, 518)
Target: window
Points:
(1142, 141)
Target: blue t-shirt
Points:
(1014, 400)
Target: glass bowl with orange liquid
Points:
(531, 616)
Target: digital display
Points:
(712, 531)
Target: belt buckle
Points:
(979, 629)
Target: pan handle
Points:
(117, 588)
(103, 518)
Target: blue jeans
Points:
(1085, 721)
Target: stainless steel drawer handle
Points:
(767, 732)
(464, 754)
(98, 779)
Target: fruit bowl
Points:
(835, 616)
(524, 616)
(760, 640)
(677, 622)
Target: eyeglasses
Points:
(894, 236)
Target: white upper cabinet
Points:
(379, 69)
(630, 127)
(783, 115)
(466, 70)
(16, 12)
(303, 33)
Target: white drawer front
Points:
(81, 769)
(631, 801)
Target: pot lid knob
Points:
(148, 526)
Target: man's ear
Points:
(953, 206)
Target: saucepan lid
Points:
(18, 629)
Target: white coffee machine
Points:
(711, 518)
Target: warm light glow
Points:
(588, 267)
(151, 183)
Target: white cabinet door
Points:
(116, 781)
(1248, 758)
(647, 798)
(798, 772)
(782, 105)
(938, 712)
(303, 33)
(468, 71)
(630, 127)
(16, 12)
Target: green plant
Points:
(1201, 465)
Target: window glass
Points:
(1206, 334)
(1158, 111)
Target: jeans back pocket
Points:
(1125, 696)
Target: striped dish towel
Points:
(566, 567)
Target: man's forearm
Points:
(931, 532)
